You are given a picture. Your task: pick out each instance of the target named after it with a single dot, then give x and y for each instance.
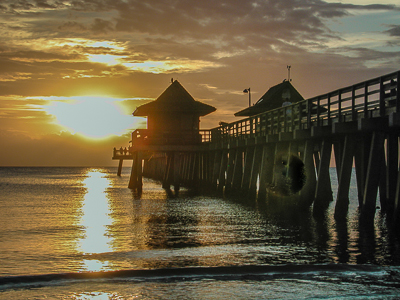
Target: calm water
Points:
(98, 240)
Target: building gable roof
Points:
(273, 98)
(175, 99)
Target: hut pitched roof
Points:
(175, 99)
(272, 99)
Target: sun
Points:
(93, 117)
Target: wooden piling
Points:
(308, 192)
(135, 181)
(392, 150)
(346, 166)
(376, 158)
(222, 171)
(255, 170)
(120, 167)
(323, 190)
(238, 170)
(248, 164)
(230, 170)
(266, 170)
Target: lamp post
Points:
(248, 91)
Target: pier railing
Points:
(373, 98)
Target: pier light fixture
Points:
(248, 91)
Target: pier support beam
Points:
(169, 171)
(308, 192)
(323, 190)
(135, 181)
(396, 213)
(344, 177)
(255, 170)
(230, 170)
(375, 161)
(222, 171)
(120, 167)
(266, 171)
(361, 164)
(238, 170)
(392, 170)
(248, 164)
(216, 169)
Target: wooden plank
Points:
(321, 131)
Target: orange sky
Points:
(73, 71)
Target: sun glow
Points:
(93, 117)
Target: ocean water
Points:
(80, 233)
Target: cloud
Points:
(394, 30)
(72, 26)
(130, 49)
(101, 26)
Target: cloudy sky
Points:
(73, 71)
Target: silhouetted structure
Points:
(173, 118)
(255, 157)
(275, 97)
(173, 121)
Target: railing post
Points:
(366, 99)
(329, 109)
(251, 127)
(381, 98)
(300, 116)
(398, 93)
(353, 103)
(340, 105)
(309, 103)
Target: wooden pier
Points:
(286, 153)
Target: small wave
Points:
(328, 272)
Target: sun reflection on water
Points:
(95, 220)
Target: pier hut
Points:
(173, 122)
(173, 118)
(277, 96)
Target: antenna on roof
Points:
(288, 67)
(172, 80)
